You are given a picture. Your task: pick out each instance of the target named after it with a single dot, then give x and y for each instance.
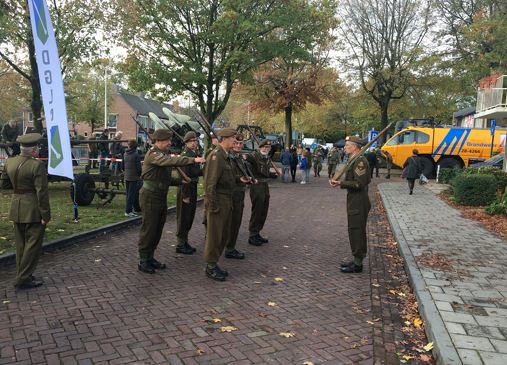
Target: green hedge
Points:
(498, 207)
(474, 190)
(446, 175)
(500, 176)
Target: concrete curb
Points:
(444, 351)
(10, 258)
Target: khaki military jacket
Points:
(192, 171)
(357, 176)
(260, 166)
(334, 157)
(30, 199)
(157, 169)
(219, 178)
(239, 170)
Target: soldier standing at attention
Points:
(219, 184)
(357, 178)
(317, 161)
(333, 159)
(156, 175)
(186, 197)
(29, 207)
(259, 193)
(238, 199)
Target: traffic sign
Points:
(493, 126)
(371, 135)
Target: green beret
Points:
(265, 142)
(162, 135)
(355, 139)
(227, 132)
(188, 136)
(29, 139)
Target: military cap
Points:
(356, 140)
(227, 132)
(188, 136)
(162, 135)
(265, 142)
(29, 139)
(239, 137)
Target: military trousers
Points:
(259, 195)
(28, 238)
(238, 204)
(154, 210)
(218, 228)
(331, 169)
(186, 204)
(358, 207)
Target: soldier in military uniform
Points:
(317, 161)
(29, 210)
(333, 159)
(186, 197)
(238, 198)
(357, 178)
(259, 193)
(156, 175)
(219, 184)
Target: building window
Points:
(112, 120)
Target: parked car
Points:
(495, 161)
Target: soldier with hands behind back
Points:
(29, 210)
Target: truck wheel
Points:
(428, 167)
(449, 163)
(85, 189)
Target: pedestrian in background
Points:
(389, 162)
(132, 167)
(29, 210)
(116, 152)
(318, 156)
(372, 161)
(333, 159)
(9, 135)
(104, 150)
(294, 161)
(412, 170)
(285, 160)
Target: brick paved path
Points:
(460, 269)
(96, 307)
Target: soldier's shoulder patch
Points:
(360, 168)
(213, 157)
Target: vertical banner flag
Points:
(53, 97)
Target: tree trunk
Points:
(288, 125)
(36, 102)
(384, 119)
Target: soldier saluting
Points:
(29, 210)
(357, 178)
(156, 175)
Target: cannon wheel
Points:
(85, 189)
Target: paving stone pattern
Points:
(470, 292)
(96, 307)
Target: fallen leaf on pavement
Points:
(428, 347)
(370, 322)
(287, 334)
(375, 285)
(407, 357)
(425, 358)
(393, 292)
(279, 279)
(228, 329)
(403, 295)
(216, 320)
(308, 363)
(200, 352)
(6, 302)
(408, 323)
(418, 322)
(272, 304)
(98, 260)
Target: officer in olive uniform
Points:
(29, 207)
(357, 178)
(219, 184)
(156, 175)
(186, 197)
(238, 198)
(259, 193)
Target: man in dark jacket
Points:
(294, 160)
(104, 150)
(412, 170)
(285, 160)
(132, 167)
(372, 161)
(8, 135)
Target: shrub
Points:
(497, 208)
(475, 189)
(500, 176)
(446, 175)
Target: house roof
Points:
(464, 112)
(144, 106)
